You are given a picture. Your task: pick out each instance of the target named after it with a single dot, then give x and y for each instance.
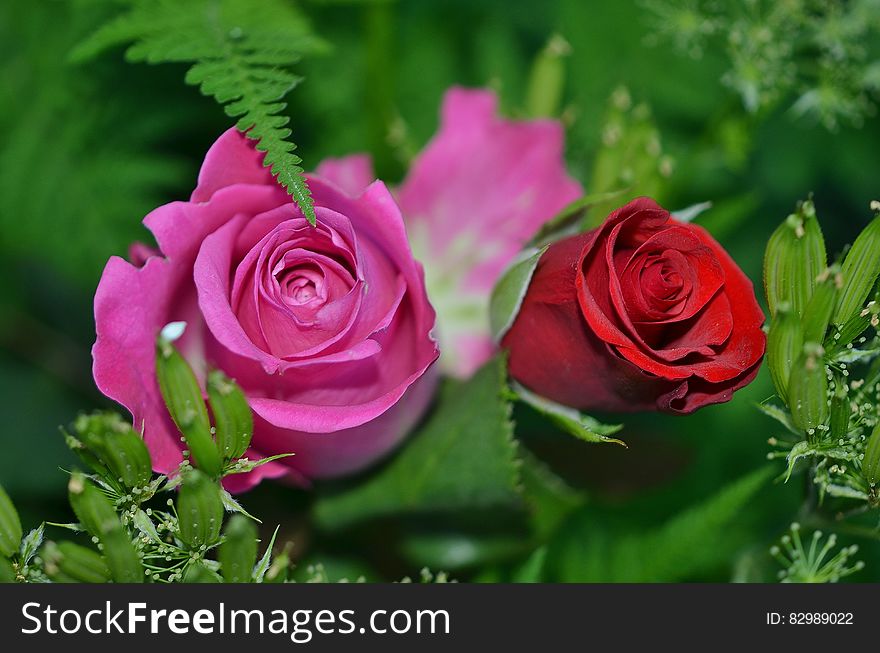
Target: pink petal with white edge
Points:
(472, 199)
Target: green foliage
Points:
(690, 543)
(813, 563)
(631, 155)
(832, 397)
(241, 53)
(464, 457)
(822, 51)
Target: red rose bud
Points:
(643, 313)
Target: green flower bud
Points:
(808, 390)
(238, 553)
(871, 461)
(67, 562)
(10, 526)
(185, 403)
(860, 270)
(197, 572)
(844, 334)
(547, 79)
(95, 512)
(840, 410)
(122, 559)
(199, 511)
(785, 343)
(7, 571)
(794, 258)
(820, 308)
(233, 420)
(91, 507)
(117, 446)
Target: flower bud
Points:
(67, 562)
(547, 79)
(233, 420)
(860, 270)
(871, 461)
(197, 572)
(185, 403)
(96, 514)
(10, 526)
(117, 446)
(238, 553)
(199, 511)
(820, 308)
(91, 507)
(808, 390)
(840, 410)
(785, 342)
(794, 258)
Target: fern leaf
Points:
(241, 53)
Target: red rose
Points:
(643, 313)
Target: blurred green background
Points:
(87, 151)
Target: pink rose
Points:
(327, 328)
(472, 199)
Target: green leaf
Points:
(548, 498)
(509, 292)
(689, 213)
(567, 221)
(571, 421)
(263, 565)
(463, 457)
(532, 570)
(10, 526)
(241, 54)
(31, 543)
(692, 542)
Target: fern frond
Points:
(241, 53)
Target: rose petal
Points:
(351, 174)
(472, 198)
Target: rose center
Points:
(302, 286)
(662, 280)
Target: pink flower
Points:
(326, 328)
(473, 197)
